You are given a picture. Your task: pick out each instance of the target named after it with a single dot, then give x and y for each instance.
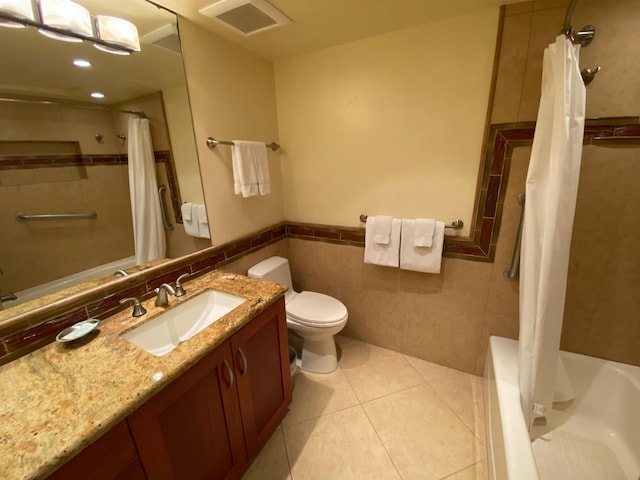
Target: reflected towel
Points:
(189, 220)
(421, 259)
(380, 254)
(200, 214)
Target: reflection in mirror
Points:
(65, 149)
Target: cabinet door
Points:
(261, 358)
(112, 457)
(192, 428)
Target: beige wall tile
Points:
(495, 324)
(423, 436)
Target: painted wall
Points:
(232, 97)
(374, 126)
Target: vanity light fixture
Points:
(18, 10)
(71, 22)
(97, 95)
(65, 16)
(81, 62)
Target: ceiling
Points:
(319, 24)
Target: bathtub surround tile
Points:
(272, 461)
(315, 395)
(374, 372)
(423, 436)
(341, 445)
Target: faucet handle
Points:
(138, 309)
(180, 291)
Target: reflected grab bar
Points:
(512, 273)
(163, 211)
(56, 216)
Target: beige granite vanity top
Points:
(60, 398)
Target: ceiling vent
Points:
(246, 16)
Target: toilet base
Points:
(319, 355)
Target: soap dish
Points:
(77, 330)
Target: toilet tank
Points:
(274, 269)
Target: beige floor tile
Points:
(463, 393)
(475, 472)
(338, 446)
(318, 394)
(425, 439)
(374, 372)
(345, 342)
(428, 370)
(271, 463)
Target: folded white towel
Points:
(189, 220)
(423, 233)
(381, 228)
(200, 213)
(378, 253)
(421, 259)
(250, 167)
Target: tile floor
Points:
(380, 415)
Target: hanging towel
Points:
(189, 220)
(380, 254)
(250, 167)
(200, 214)
(423, 233)
(382, 229)
(421, 259)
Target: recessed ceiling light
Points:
(97, 95)
(80, 62)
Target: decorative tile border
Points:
(14, 162)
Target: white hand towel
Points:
(200, 212)
(381, 229)
(421, 259)
(189, 220)
(250, 165)
(380, 254)
(423, 233)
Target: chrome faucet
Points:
(138, 309)
(120, 273)
(162, 300)
(180, 291)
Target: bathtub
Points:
(594, 436)
(54, 286)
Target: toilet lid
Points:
(316, 310)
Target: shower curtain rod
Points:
(566, 28)
(42, 101)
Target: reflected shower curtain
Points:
(551, 189)
(148, 231)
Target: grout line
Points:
(464, 468)
(286, 452)
(382, 442)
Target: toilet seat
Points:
(314, 309)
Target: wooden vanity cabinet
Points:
(261, 358)
(212, 420)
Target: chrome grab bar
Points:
(213, 143)
(56, 216)
(163, 211)
(512, 273)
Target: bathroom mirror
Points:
(62, 151)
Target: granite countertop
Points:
(60, 398)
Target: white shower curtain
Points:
(551, 189)
(148, 231)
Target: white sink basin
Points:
(178, 324)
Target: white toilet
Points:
(314, 316)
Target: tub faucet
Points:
(8, 297)
(162, 300)
(120, 273)
(138, 309)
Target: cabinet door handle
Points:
(230, 372)
(245, 365)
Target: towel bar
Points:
(213, 143)
(457, 224)
(56, 216)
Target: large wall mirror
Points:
(64, 152)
